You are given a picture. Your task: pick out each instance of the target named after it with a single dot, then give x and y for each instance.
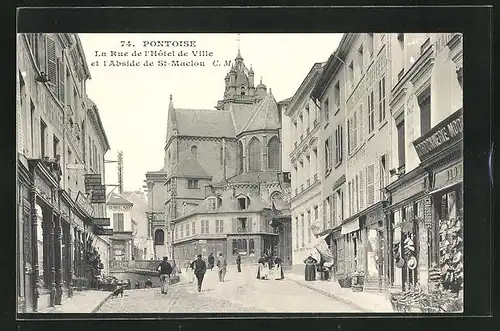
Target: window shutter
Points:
(42, 65)
(370, 185)
(51, 60)
(341, 147)
(362, 189)
(235, 224)
(61, 82)
(249, 224)
(360, 123)
(334, 209)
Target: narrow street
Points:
(241, 292)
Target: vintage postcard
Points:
(197, 173)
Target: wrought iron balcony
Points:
(241, 230)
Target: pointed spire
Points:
(171, 103)
(251, 70)
(239, 57)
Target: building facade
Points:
(141, 245)
(119, 211)
(306, 160)
(391, 169)
(426, 215)
(56, 214)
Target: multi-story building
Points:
(56, 216)
(305, 158)
(119, 212)
(426, 194)
(141, 245)
(236, 146)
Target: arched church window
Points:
(240, 157)
(159, 237)
(273, 153)
(194, 151)
(243, 90)
(254, 155)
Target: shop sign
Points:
(92, 181)
(102, 221)
(64, 208)
(350, 227)
(202, 241)
(82, 201)
(445, 133)
(428, 211)
(43, 189)
(98, 194)
(409, 191)
(449, 176)
(374, 217)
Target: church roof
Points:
(188, 166)
(241, 113)
(266, 116)
(252, 177)
(117, 199)
(204, 123)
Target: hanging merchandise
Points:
(397, 256)
(451, 254)
(412, 262)
(409, 247)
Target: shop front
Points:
(442, 158)
(409, 234)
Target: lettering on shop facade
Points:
(427, 211)
(448, 176)
(445, 133)
(409, 191)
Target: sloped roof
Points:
(204, 123)
(117, 199)
(252, 177)
(266, 116)
(241, 113)
(188, 166)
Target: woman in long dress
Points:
(263, 270)
(278, 269)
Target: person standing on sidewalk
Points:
(200, 268)
(165, 269)
(222, 265)
(211, 261)
(238, 262)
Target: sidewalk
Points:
(365, 301)
(82, 302)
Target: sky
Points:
(133, 101)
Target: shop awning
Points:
(350, 227)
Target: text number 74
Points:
(125, 43)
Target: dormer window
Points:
(242, 203)
(243, 90)
(213, 203)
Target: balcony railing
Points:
(240, 229)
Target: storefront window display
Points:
(450, 239)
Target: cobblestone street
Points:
(241, 292)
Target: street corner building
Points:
(61, 197)
(222, 188)
(377, 162)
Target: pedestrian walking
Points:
(165, 269)
(263, 268)
(200, 268)
(192, 275)
(222, 265)
(211, 261)
(238, 262)
(278, 269)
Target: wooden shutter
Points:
(370, 185)
(249, 224)
(234, 220)
(61, 82)
(362, 189)
(115, 222)
(341, 143)
(41, 54)
(51, 60)
(334, 209)
(361, 125)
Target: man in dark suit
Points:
(200, 268)
(238, 262)
(165, 270)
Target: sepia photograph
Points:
(239, 173)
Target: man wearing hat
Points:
(200, 267)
